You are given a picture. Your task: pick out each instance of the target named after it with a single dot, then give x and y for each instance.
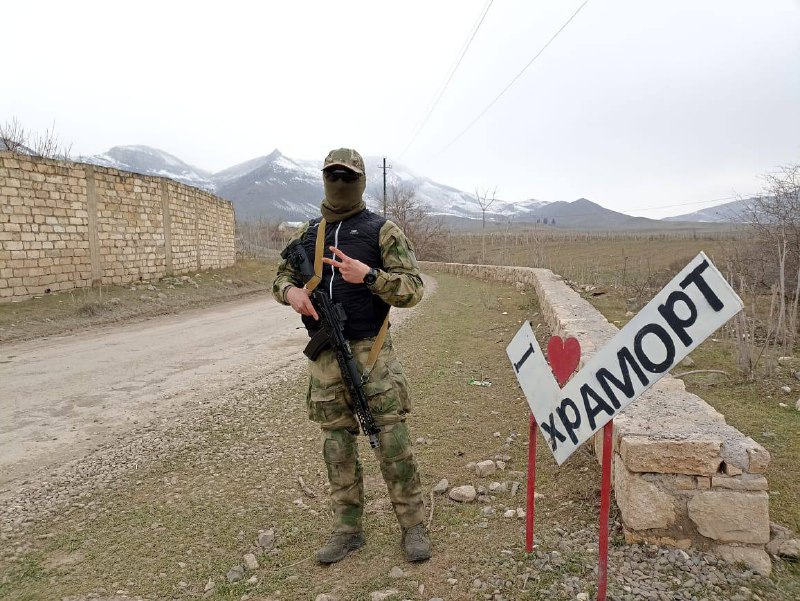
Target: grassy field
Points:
(192, 508)
(634, 262)
(190, 516)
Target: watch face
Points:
(371, 276)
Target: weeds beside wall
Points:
(69, 225)
(759, 260)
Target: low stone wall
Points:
(682, 476)
(67, 225)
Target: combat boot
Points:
(416, 544)
(339, 545)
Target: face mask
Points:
(342, 199)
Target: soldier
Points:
(370, 266)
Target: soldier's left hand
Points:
(352, 270)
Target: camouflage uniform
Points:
(329, 403)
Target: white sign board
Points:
(696, 303)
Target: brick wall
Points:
(67, 225)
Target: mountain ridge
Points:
(274, 186)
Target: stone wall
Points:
(67, 225)
(682, 476)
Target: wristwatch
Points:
(371, 277)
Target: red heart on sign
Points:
(564, 356)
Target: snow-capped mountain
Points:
(271, 187)
(277, 187)
(151, 161)
(737, 211)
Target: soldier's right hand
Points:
(299, 299)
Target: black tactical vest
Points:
(358, 238)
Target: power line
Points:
(511, 83)
(450, 77)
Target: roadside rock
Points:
(498, 487)
(485, 468)
(463, 494)
(250, 562)
(384, 594)
(266, 539)
(783, 543)
(789, 549)
(396, 572)
(235, 574)
(755, 559)
(441, 486)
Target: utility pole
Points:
(384, 167)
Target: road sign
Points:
(683, 314)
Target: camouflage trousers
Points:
(330, 405)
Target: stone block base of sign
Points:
(682, 476)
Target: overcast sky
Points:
(635, 105)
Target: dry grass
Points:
(203, 506)
(183, 517)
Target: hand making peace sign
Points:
(352, 270)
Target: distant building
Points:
(290, 226)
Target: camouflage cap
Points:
(345, 157)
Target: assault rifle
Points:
(332, 318)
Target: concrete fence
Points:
(682, 476)
(68, 225)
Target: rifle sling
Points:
(319, 250)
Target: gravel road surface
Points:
(62, 397)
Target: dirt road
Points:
(61, 397)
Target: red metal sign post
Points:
(605, 506)
(564, 358)
(530, 505)
(698, 290)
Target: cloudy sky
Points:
(650, 108)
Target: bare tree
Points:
(426, 231)
(258, 238)
(764, 266)
(50, 145)
(15, 138)
(485, 202)
(775, 220)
